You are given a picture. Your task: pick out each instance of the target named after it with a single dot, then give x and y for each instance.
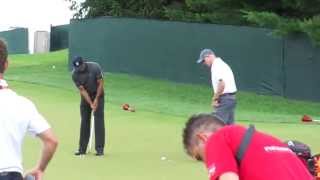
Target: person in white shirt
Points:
(223, 84)
(19, 116)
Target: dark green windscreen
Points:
(302, 72)
(168, 50)
(17, 40)
(261, 62)
(59, 37)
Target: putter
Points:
(29, 177)
(91, 132)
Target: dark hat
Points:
(77, 61)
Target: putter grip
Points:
(30, 177)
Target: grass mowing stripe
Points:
(137, 141)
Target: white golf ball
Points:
(163, 158)
(53, 67)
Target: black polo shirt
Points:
(88, 78)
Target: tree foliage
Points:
(285, 16)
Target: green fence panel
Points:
(17, 40)
(168, 50)
(302, 64)
(59, 37)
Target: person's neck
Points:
(3, 84)
(212, 61)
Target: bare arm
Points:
(220, 89)
(50, 143)
(49, 146)
(229, 176)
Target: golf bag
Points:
(304, 153)
(302, 150)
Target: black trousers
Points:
(10, 176)
(99, 128)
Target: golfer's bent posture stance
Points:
(88, 77)
(223, 84)
(234, 152)
(19, 116)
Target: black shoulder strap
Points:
(244, 143)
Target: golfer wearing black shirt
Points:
(88, 77)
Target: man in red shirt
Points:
(206, 138)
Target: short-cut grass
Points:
(137, 141)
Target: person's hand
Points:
(94, 105)
(215, 102)
(37, 173)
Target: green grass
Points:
(137, 141)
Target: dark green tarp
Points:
(17, 40)
(261, 62)
(302, 69)
(59, 37)
(168, 50)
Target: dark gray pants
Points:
(10, 176)
(226, 108)
(99, 128)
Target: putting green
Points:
(137, 142)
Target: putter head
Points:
(132, 109)
(29, 177)
(306, 118)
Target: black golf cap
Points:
(77, 62)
